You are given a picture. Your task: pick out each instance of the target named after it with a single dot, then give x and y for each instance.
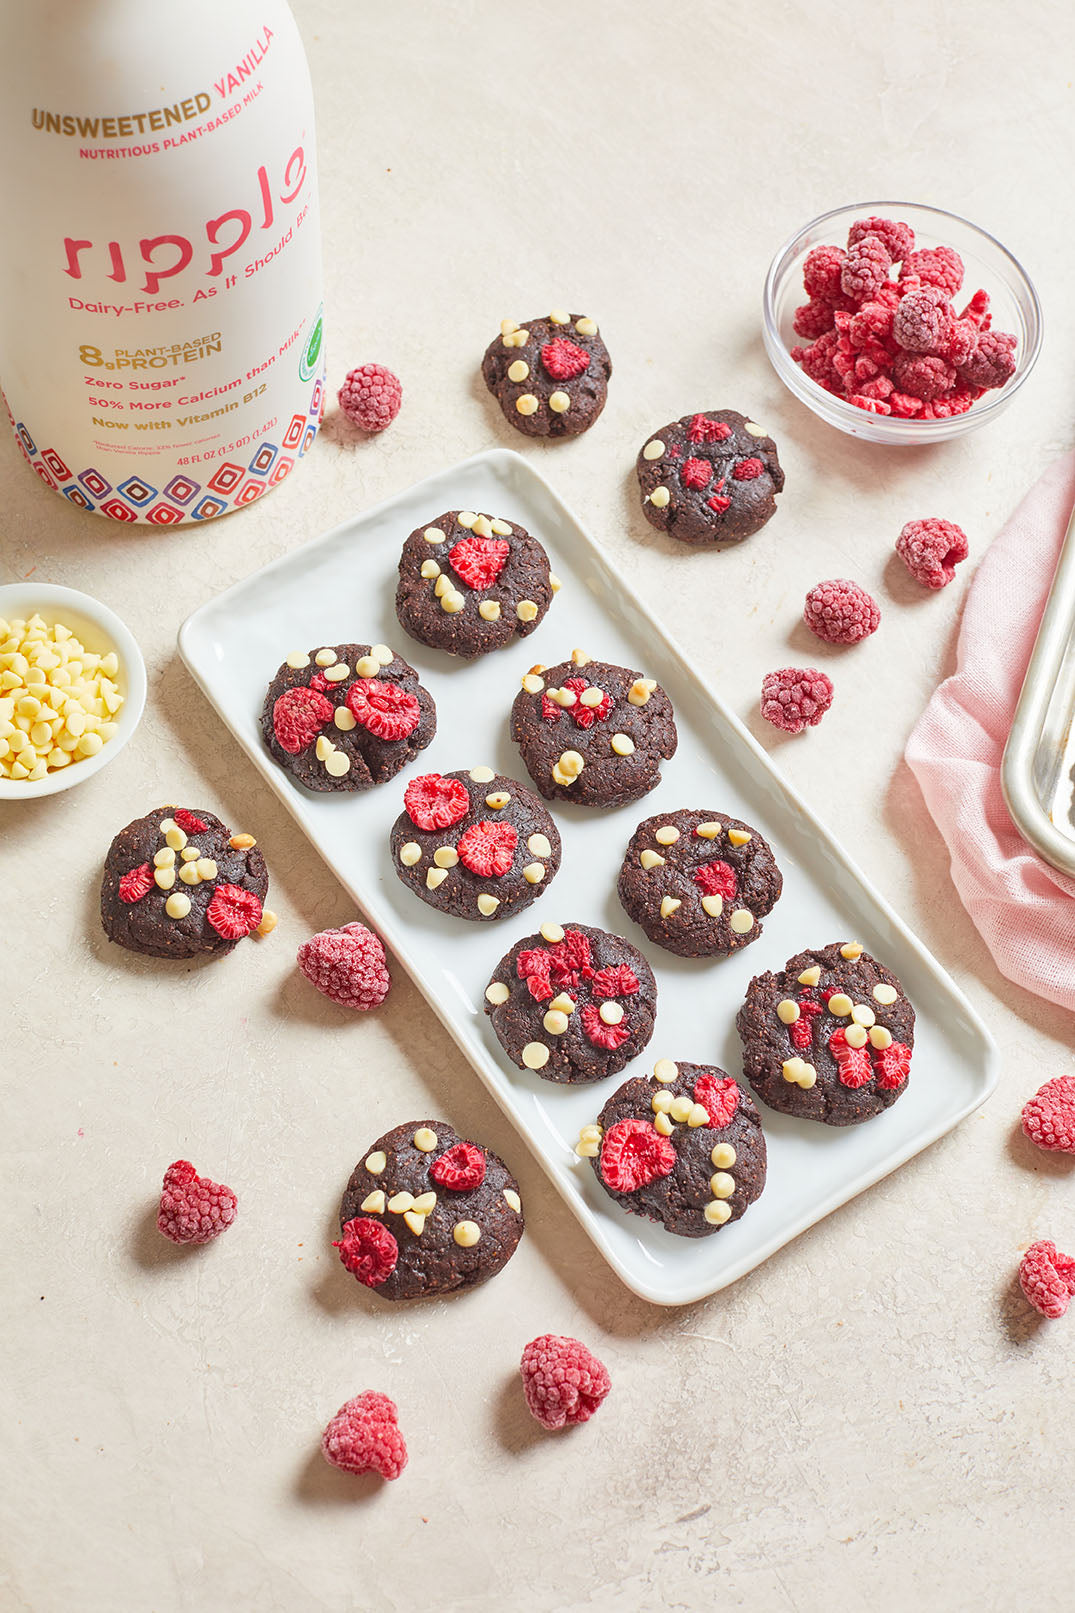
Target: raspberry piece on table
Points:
(461, 1168)
(923, 375)
(702, 429)
(600, 1033)
(386, 710)
(892, 1066)
(898, 237)
(298, 716)
(991, 362)
(813, 319)
(1047, 1278)
(822, 268)
(233, 912)
(840, 612)
(795, 698)
(192, 1208)
(1049, 1116)
(852, 1063)
(563, 1383)
(563, 360)
(696, 473)
(435, 802)
(924, 321)
(866, 268)
(931, 549)
(364, 1437)
(189, 822)
(348, 965)
(368, 1250)
(616, 981)
(719, 1099)
(488, 849)
(371, 396)
(935, 266)
(717, 879)
(633, 1152)
(136, 883)
(479, 561)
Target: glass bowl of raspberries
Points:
(900, 323)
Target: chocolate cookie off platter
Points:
(752, 928)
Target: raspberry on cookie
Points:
(549, 375)
(709, 478)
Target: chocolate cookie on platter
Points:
(470, 583)
(830, 1037)
(709, 478)
(683, 1147)
(346, 717)
(178, 884)
(550, 376)
(592, 732)
(426, 1212)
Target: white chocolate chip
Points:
(811, 976)
(580, 658)
(336, 674)
(376, 1163)
(512, 1199)
(591, 1133)
(654, 449)
(430, 569)
(466, 518)
(416, 1222)
(754, 429)
(666, 835)
(508, 327)
(535, 1055)
(559, 402)
(539, 845)
(640, 691)
(884, 993)
(189, 874)
(713, 904)
(497, 993)
(707, 831)
(176, 838)
(787, 1012)
(164, 878)
(568, 768)
(839, 1004)
(588, 1150)
(338, 764)
(799, 1073)
(699, 1116)
(622, 744)
(717, 1212)
(344, 719)
(563, 697)
(526, 403)
(489, 610)
(367, 666)
(670, 905)
(681, 1107)
(663, 1125)
(324, 747)
(564, 1003)
(445, 856)
(851, 950)
(592, 696)
(410, 853)
(435, 877)
(558, 317)
(178, 905)
(555, 1022)
(739, 837)
(532, 683)
(444, 585)
(534, 873)
(383, 654)
(721, 1185)
(207, 868)
(880, 1037)
(518, 370)
(526, 610)
(452, 603)
(466, 1233)
(586, 327)
(164, 858)
(487, 905)
(554, 582)
(433, 534)
(553, 933)
(425, 1140)
(482, 527)
(660, 497)
(723, 1155)
(666, 1070)
(611, 1013)
(863, 1015)
(661, 1102)
(855, 1035)
(498, 799)
(400, 1202)
(651, 859)
(373, 1203)
(297, 660)
(326, 657)
(502, 529)
(425, 1203)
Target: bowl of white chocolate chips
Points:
(72, 688)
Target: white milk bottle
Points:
(161, 338)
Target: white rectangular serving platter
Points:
(341, 588)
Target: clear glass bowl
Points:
(1014, 306)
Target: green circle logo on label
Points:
(311, 352)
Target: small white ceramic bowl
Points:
(100, 630)
(1014, 306)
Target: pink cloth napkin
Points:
(1022, 907)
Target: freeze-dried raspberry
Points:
(136, 883)
(320, 683)
(719, 503)
(368, 1250)
(233, 912)
(348, 965)
(461, 1168)
(817, 360)
(958, 401)
(935, 266)
(898, 237)
(717, 879)
(189, 822)
(871, 326)
(852, 1063)
(931, 550)
(488, 849)
(923, 375)
(563, 360)
(795, 698)
(872, 405)
(892, 1066)
(386, 710)
(618, 980)
(533, 966)
(801, 1033)
(298, 716)
(600, 1034)
(702, 429)
(719, 1099)
(813, 319)
(840, 612)
(696, 473)
(1049, 1116)
(435, 802)
(633, 1152)
(992, 361)
(822, 268)
(964, 340)
(559, 967)
(563, 1383)
(1047, 1278)
(371, 396)
(479, 561)
(866, 268)
(904, 406)
(192, 1208)
(924, 321)
(879, 388)
(585, 716)
(364, 1437)
(748, 470)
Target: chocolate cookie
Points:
(474, 844)
(591, 732)
(830, 1037)
(709, 478)
(470, 583)
(427, 1212)
(572, 1003)
(683, 1147)
(346, 718)
(177, 883)
(699, 883)
(550, 377)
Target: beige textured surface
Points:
(873, 1417)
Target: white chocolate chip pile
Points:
(57, 699)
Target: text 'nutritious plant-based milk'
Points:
(160, 281)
